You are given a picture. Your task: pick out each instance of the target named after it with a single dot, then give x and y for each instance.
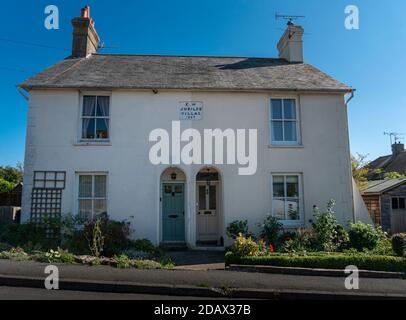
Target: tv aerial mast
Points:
(289, 18)
(394, 137)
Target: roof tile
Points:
(183, 72)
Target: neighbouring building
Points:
(395, 162)
(385, 201)
(91, 116)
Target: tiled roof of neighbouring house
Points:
(379, 186)
(101, 71)
(390, 163)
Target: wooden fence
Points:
(10, 199)
(10, 214)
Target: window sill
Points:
(285, 146)
(92, 143)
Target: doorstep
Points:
(173, 245)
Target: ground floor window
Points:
(92, 195)
(286, 200)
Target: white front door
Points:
(207, 212)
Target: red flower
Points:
(271, 248)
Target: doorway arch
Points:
(209, 213)
(173, 205)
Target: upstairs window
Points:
(96, 118)
(284, 122)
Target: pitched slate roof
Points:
(100, 71)
(390, 163)
(380, 186)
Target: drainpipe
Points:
(354, 218)
(350, 98)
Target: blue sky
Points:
(370, 59)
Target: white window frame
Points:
(297, 121)
(290, 223)
(93, 198)
(81, 117)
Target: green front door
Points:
(173, 212)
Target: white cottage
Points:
(92, 133)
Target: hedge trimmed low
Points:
(324, 261)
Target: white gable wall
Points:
(133, 182)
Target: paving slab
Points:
(197, 260)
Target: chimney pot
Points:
(85, 12)
(290, 46)
(85, 38)
(398, 148)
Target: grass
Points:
(322, 260)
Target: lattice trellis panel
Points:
(46, 197)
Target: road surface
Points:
(12, 293)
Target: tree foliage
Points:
(5, 186)
(394, 175)
(10, 177)
(360, 170)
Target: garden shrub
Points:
(363, 236)
(24, 235)
(304, 240)
(76, 242)
(115, 234)
(142, 248)
(123, 261)
(238, 227)
(4, 246)
(384, 248)
(286, 236)
(142, 245)
(384, 245)
(399, 244)
(339, 261)
(271, 229)
(17, 254)
(55, 256)
(146, 264)
(101, 236)
(329, 234)
(342, 238)
(245, 246)
(96, 241)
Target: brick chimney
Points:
(290, 46)
(397, 148)
(85, 38)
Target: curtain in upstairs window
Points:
(88, 113)
(102, 114)
(103, 106)
(89, 105)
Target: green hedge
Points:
(324, 261)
